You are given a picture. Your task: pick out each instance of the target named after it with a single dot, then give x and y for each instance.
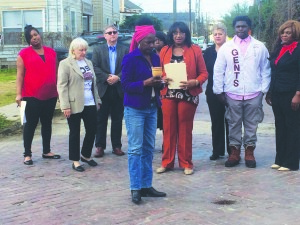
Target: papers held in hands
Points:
(22, 112)
(177, 72)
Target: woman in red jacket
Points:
(179, 105)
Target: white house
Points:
(56, 19)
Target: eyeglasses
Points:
(178, 33)
(111, 32)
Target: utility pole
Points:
(259, 18)
(290, 9)
(174, 10)
(197, 17)
(190, 14)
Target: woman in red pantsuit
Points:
(179, 105)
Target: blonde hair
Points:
(294, 25)
(76, 44)
(219, 26)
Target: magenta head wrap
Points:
(140, 33)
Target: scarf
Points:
(140, 33)
(286, 48)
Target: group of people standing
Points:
(119, 82)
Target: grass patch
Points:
(4, 123)
(7, 86)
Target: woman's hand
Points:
(189, 84)
(296, 101)
(153, 81)
(18, 100)
(268, 98)
(67, 113)
(166, 80)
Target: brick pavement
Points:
(50, 192)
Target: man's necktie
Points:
(112, 48)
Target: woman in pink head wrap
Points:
(141, 99)
(140, 33)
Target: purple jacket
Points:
(136, 69)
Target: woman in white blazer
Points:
(79, 99)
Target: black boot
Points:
(136, 196)
(151, 192)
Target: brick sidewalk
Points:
(50, 192)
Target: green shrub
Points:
(4, 123)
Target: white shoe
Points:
(188, 171)
(161, 170)
(275, 166)
(283, 169)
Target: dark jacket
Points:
(100, 61)
(210, 57)
(136, 69)
(285, 76)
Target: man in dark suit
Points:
(107, 61)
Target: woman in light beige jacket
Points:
(79, 99)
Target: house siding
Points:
(104, 9)
(56, 13)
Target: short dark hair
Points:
(182, 28)
(242, 18)
(162, 36)
(27, 31)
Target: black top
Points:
(285, 76)
(210, 57)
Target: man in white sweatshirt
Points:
(241, 77)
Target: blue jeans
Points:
(141, 130)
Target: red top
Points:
(40, 75)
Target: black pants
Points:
(220, 142)
(112, 104)
(89, 117)
(287, 124)
(38, 110)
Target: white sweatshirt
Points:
(242, 75)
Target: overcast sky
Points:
(214, 8)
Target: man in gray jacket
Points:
(107, 61)
(241, 77)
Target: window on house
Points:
(73, 22)
(15, 21)
(85, 23)
(107, 21)
(33, 18)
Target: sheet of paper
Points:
(22, 112)
(177, 72)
